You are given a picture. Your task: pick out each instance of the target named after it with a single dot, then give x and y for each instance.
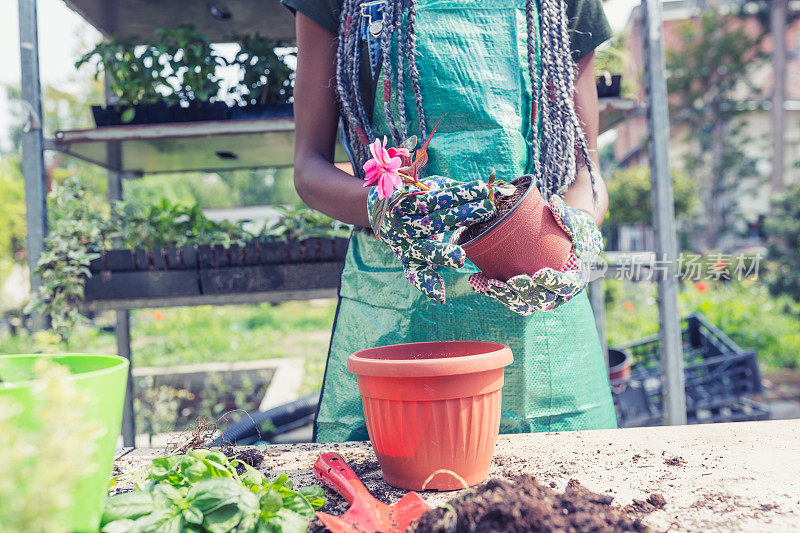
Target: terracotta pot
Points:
(619, 366)
(523, 241)
(432, 410)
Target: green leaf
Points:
(193, 515)
(299, 504)
(195, 470)
(129, 505)
(410, 143)
(162, 467)
(251, 476)
(223, 519)
(377, 213)
(128, 115)
(288, 521)
(125, 525)
(315, 496)
(271, 501)
(210, 494)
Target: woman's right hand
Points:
(414, 225)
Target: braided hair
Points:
(552, 82)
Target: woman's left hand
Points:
(548, 288)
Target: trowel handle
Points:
(331, 470)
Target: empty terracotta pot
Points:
(432, 410)
(523, 241)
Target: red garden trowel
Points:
(366, 514)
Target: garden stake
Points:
(366, 514)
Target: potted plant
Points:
(172, 80)
(608, 85)
(134, 78)
(171, 249)
(266, 80)
(611, 60)
(59, 420)
(193, 63)
(500, 247)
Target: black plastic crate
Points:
(718, 375)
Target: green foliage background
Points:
(744, 310)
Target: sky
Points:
(63, 35)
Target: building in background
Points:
(752, 199)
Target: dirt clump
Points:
(654, 502)
(523, 505)
(503, 205)
(249, 456)
(675, 461)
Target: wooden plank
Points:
(262, 278)
(208, 299)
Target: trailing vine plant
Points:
(79, 229)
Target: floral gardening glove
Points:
(549, 288)
(413, 226)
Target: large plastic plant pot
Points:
(432, 410)
(102, 378)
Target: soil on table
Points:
(503, 206)
(523, 505)
(653, 503)
(249, 456)
(675, 461)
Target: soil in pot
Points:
(503, 206)
(523, 505)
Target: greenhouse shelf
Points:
(185, 146)
(219, 144)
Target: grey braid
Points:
(552, 86)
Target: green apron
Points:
(472, 59)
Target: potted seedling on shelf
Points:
(266, 80)
(134, 79)
(610, 61)
(608, 85)
(173, 79)
(193, 64)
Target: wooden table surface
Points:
(734, 477)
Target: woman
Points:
(515, 81)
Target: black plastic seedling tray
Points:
(212, 270)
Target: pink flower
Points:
(382, 169)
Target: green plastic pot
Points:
(103, 379)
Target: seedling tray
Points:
(720, 377)
(190, 271)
